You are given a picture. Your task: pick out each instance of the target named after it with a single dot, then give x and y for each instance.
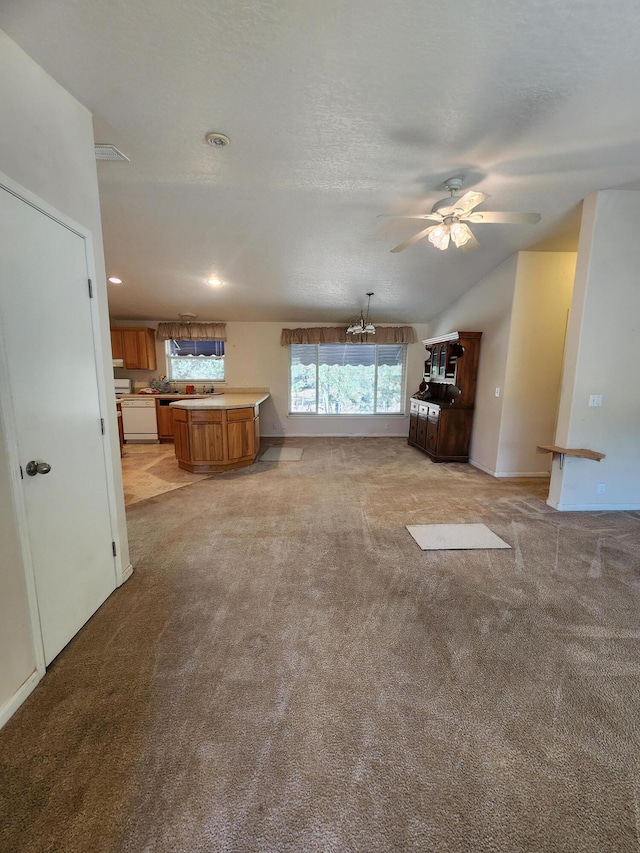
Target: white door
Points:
(46, 325)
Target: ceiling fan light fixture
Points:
(460, 234)
(440, 237)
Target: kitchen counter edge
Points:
(224, 401)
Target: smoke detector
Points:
(217, 140)
(109, 152)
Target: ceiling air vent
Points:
(109, 152)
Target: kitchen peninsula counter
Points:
(217, 433)
(230, 400)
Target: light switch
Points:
(497, 392)
(595, 399)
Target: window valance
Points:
(192, 331)
(338, 335)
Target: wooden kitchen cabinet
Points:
(116, 344)
(136, 346)
(441, 416)
(214, 440)
(165, 421)
(181, 435)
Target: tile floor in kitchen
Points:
(151, 469)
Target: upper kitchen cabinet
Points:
(135, 345)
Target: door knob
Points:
(34, 468)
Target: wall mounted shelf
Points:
(580, 452)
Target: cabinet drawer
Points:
(208, 417)
(415, 405)
(423, 409)
(240, 414)
(179, 414)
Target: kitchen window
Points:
(199, 361)
(347, 379)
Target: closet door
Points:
(47, 337)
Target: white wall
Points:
(255, 359)
(602, 358)
(62, 172)
(485, 308)
(531, 393)
(521, 309)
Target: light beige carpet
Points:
(455, 537)
(286, 672)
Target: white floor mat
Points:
(454, 537)
(282, 454)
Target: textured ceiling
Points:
(337, 111)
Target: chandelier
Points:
(363, 325)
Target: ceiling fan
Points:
(452, 215)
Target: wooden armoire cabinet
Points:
(441, 415)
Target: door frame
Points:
(7, 416)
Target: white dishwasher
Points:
(139, 421)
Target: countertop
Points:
(174, 396)
(223, 401)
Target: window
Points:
(195, 360)
(347, 379)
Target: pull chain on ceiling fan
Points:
(452, 215)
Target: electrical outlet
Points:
(386, 426)
(595, 399)
(600, 489)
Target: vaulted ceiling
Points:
(337, 111)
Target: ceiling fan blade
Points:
(466, 203)
(434, 217)
(504, 217)
(414, 239)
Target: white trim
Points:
(592, 507)
(287, 434)
(489, 471)
(126, 574)
(544, 475)
(507, 474)
(11, 705)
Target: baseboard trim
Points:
(126, 574)
(488, 471)
(592, 507)
(505, 474)
(386, 434)
(539, 475)
(11, 705)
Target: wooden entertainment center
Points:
(441, 414)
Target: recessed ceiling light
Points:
(214, 282)
(218, 140)
(115, 280)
